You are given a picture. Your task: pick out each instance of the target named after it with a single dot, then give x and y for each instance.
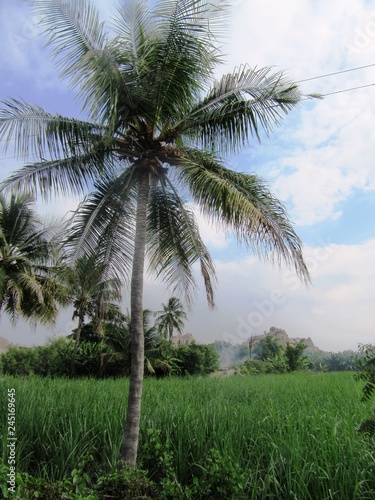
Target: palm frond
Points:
(40, 134)
(73, 28)
(86, 57)
(67, 176)
(17, 218)
(103, 225)
(136, 30)
(243, 204)
(11, 299)
(367, 426)
(95, 66)
(184, 53)
(198, 19)
(174, 243)
(238, 106)
(31, 296)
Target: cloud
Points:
(329, 156)
(23, 57)
(304, 38)
(336, 311)
(324, 149)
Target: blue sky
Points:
(319, 162)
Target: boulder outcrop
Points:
(4, 344)
(283, 338)
(185, 339)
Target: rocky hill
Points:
(283, 338)
(4, 344)
(185, 339)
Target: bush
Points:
(97, 359)
(295, 356)
(197, 359)
(51, 360)
(367, 375)
(274, 364)
(18, 361)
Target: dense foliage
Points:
(28, 284)
(367, 375)
(108, 357)
(268, 355)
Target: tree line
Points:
(270, 356)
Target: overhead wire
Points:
(335, 73)
(349, 90)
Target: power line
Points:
(348, 90)
(335, 73)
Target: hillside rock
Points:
(283, 338)
(185, 339)
(4, 344)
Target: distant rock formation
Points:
(283, 338)
(4, 344)
(185, 339)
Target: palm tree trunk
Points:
(129, 446)
(76, 344)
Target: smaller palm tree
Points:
(92, 294)
(171, 318)
(118, 338)
(28, 284)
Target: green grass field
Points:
(279, 436)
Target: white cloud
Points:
(326, 149)
(336, 311)
(304, 37)
(332, 156)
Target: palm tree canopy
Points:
(28, 285)
(171, 317)
(90, 291)
(154, 108)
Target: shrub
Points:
(367, 374)
(50, 360)
(18, 361)
(197, 359)
(99, 359)
(295, 356)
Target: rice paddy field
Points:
(275, 436)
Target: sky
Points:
(319, 161)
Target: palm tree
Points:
(118, 338)
(28, 285)
(157, 123)
(171, 317)
(92, 294)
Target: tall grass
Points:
(287, 436)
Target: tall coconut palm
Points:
(92, 295)
(28, 285)
(157, 125)
(171, 317)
